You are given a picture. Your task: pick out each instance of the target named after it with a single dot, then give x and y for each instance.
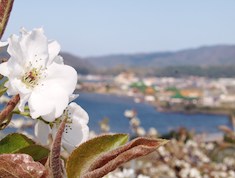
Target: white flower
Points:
(3, 43)
(38, 75)
(76, 130)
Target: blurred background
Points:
(149, 68)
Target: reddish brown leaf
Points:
(113, 159)
(21, 166)
(85, 154)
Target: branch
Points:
(55, 164)
(9, 107)
(5, 10)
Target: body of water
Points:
(100, 106)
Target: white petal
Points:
(53, 50)
(78, 134)
(15, 68)
(24, 31)
(15, 86)
(62, 76)
(46, 101)
(49, 117)
(52, 95)
(23, 100)
(11, 89)
(78, 131)
(78, 112)
(4, 69)
(3, 43)
(14, 49)
(34, 46)
(59, 60)
(73, 137)
(68, 147)
(41, 131)
(73, 97)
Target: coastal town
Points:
(188, 94)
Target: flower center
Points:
(31, 77)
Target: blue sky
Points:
(98, 27)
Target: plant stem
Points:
(5, 10)
(55, 162)
(8, 108)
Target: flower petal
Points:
(78, 134)
(41, 131)
(78, 112)
(52, 95)
(53, 50)
(14, 49)
(77, 131)
(73, 97)
(4, 69)
(15, 68)
(49, 117)
(15, 86)
(47, 101)
(62, 76)
(59, 60)
(3, 43)
(23, 100)
(34, 46)
(68, 147)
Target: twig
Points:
(55, 164)
(8, 108)
(5, 10)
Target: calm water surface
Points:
(99, 106)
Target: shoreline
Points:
(181, 111)
(227, 112)
(206, 111)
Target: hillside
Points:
(81, 65)
(211, 61)
(203, 56)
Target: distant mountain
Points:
(203, 56)
(81, 65)
(72, 60)
(212, 61)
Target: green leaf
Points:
(19, 143)
(3, 83)
(14, 142)
(83, 156)
(2, 91)
(37, 152)
(111, 160)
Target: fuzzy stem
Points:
(5, 10)
(8, 108)
(55, 162)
